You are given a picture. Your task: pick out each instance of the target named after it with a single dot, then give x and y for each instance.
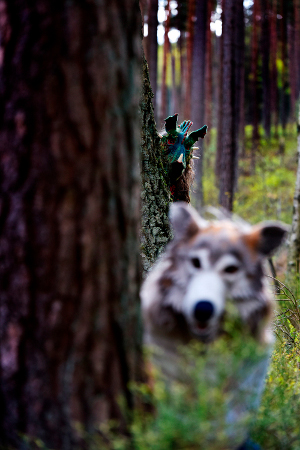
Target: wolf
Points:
(206, 265)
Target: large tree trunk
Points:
(69, 246)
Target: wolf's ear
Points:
(185, 221)
(266, 237)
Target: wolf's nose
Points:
(203, 310)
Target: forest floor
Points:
(266, 181)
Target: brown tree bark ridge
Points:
(69, 245)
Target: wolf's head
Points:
(206, 265)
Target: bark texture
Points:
(231, 88)
(152, 47)
(265, 47)
(294, 243)
(155, 191)
(69, 245)
(198, 88)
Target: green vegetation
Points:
(266, 191)
(190, 413)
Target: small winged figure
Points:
(178, 144)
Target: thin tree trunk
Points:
(284, 96)
(208, 73)
(189, 59)
(164, 105)
(182, 87)
(198, 89)
(273, 80)
(151, 52)
(174, 86)
(292, 61)
(239, 27)
(254, 84)
(265, 46)
(297, 44)
(229, 144)
(294, 243)
(69, 245)
(218, 162)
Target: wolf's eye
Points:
(196, 263)
(231, 269)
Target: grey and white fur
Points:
(207, 264)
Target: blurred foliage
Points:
(190, 411)
(277, 425)
(265, 193)
(190, 415)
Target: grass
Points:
(265, 193)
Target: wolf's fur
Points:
(206, 265)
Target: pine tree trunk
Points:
(208, 73)
(292, 61)
(284, 96)
(229, 119)
(239, 57)
(198, 89)
(164, 100)
(294, 243)
(155, 191)
(273, 80)
(254, 83)
(297, 43)
(265, 46)
(189, 59)
(152, 48)
(218, 161)
(69, 245)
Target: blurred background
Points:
(190, 47)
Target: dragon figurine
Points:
(178, 148)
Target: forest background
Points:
(77, 177)
(235, 66)
(243, 83)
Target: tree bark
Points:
(208, 72)
(273, 80)
(155, 188)
(254, 83)
(189, 58)
(218, 161)
(239, 81)
(265, 46)
(164, 93)
(294, 243)
(152, 48)
(229, 107)
(198, 89)
(69, 245)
